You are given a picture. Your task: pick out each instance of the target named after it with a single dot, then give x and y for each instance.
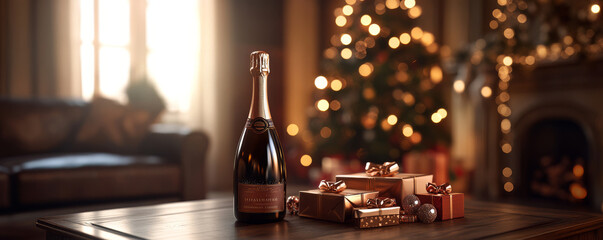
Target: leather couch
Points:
(39, 165)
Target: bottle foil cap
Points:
(259, 62)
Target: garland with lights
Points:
(380, 95)
(528, 33)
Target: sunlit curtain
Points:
(169, 43)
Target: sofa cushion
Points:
(34, 126)
(91, 177)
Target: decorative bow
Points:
(332, 187)
(445, 188)
(380, 202)
(385, 170)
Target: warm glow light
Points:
(346, 39)
(350, 2)
(505, 125)
(504, 97)
(346, 53)
(507, 172)
(321, 82)
(405, 38)
(595, 8)
(347, 10)
(427, 39)
(415, 12)
(409, 3)
(292, 129)
(578, 170)
(493, 24)
(335, 105)
(415, 138)
(436, 118)
(530, 60)
(407, 130)
(392, 119)
(325, 132)
(322, 105)
(509, 33)
(496, 13)
(305, 160)
(504, 110)
(336, 85)
(506, 148)
(521, 18)
(394, 42)
(436, 74)
(416, 33)
(578, 191)
(507, 61)
(392, 4)
(341, 21)
(443, 113)
(374, 29)
(365, 20)
(508, 186)
(365, 69)
(486, 91)
(458, 85)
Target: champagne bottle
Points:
(260, 176)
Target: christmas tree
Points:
(380, 95)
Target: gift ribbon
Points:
(380, 202)
(445, 188)
(332, 187)
(386, 169)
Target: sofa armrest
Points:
(189, 149)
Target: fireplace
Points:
(556, 134)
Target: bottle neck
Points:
(259, 99)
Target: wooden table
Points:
(213, 219)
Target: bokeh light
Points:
(292, 129)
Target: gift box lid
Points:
(397, 176)
(369, 212)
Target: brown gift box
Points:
(449, 206)
(397, 186)
(376, 217)
(336, 207)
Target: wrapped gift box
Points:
(336, 207)
(449, 206)
(397, 186)
(376, 217)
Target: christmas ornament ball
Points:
(410, 204)
(427, 213)
(293, 205)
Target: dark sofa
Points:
(39, 165)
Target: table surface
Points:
(214, 219)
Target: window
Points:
(124, 41)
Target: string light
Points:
(458, 85)
(415, 12)
(346, 53)
(508, 186)
(292, 129)
(322, 105)
(442, 112)
(374, 29)
(365, 69)
(365, 20)
(407, 130)
(416, 33)
(507, 172)
(325, 132)
(336, 85)
(346, 39)
(340, 21)
(436, 74)
(405, 38)
(305, 160)
(507, 61)
(394, 42)
(436, 118)
(392, 119)
(595, 8)
(335, 105)
(409, 3)
(347, 10)
(392, 4)
(486, 91)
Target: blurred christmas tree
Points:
(380, 94)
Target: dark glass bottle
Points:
(260, 175)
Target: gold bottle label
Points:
(261, 198)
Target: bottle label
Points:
(259, 125)
(261, 198)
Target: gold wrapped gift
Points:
(336, 207)
(377, 217)
(397, 186)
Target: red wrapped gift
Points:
(449, 205)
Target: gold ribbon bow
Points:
(445, 188)
(332, 187)
(385, 170)
(380, 202)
